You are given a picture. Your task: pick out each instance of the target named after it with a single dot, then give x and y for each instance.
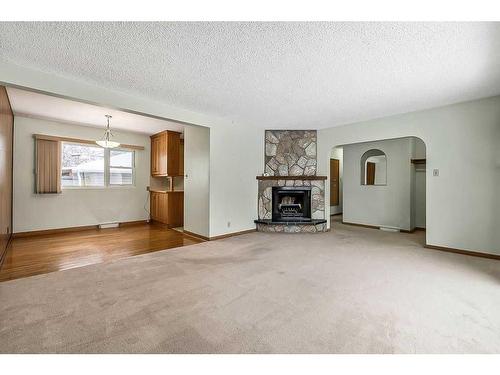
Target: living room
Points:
(337, 194)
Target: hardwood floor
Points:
(54, 252)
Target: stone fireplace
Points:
(291, 197)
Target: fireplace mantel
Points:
(291, 177)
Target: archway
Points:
(393, 200)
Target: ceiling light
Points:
(105, 141)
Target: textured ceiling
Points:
(31, 104)
(273, 75)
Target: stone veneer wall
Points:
(291, 152)
(317, 196)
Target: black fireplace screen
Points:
(291, 203)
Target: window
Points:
(82, 165)
(85, 165)
(121, 167)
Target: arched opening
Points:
(373, 167)
(389, 195)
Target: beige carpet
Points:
(354, 290)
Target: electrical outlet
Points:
(147, 188)
(435, 172)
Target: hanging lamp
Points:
(105, 141)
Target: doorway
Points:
(379, 184)
(336, 171)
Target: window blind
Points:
(48, 166)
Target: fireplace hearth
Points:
(291, 203)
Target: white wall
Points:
(196, 184)
(236, 158)
(379, 205)
(236, 150)
(462, 204)
(418, 184)
(338, 153)
(75, 207)
(419, 197)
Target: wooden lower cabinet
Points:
(167, 207)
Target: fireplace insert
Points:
(291, 203)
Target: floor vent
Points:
(109, 225)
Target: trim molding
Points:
(195, 235)
(85, 141)
(463, 252)
(361, 225)
(132, 223)
(377, 227)
(71, 229)
(220, 237)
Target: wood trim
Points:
(52, 231)
(3, 252)
(337, 214)
(418, 161)
(220, 237)
(43, 232)
(334, 182)
(361, 225)
(291, 177)
(132, 223)
(84, 141)
(413, 230)
(166, 132)
(463, 252)
(6, 171)
(232, 234)
(195, 235)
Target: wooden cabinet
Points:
(167, 207)
(165, 154)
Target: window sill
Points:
(113, 187)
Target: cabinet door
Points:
(153, 205)
(162, 154)
(163, 208)
(176, 209)
(173, 144)
(154, 155)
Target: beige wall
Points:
(338, 153)
(73, 207)
(462, 204)
(196, 184)
(236, 158)
(379, 205)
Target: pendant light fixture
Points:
(105, 141)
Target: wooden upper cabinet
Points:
(165, 153)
